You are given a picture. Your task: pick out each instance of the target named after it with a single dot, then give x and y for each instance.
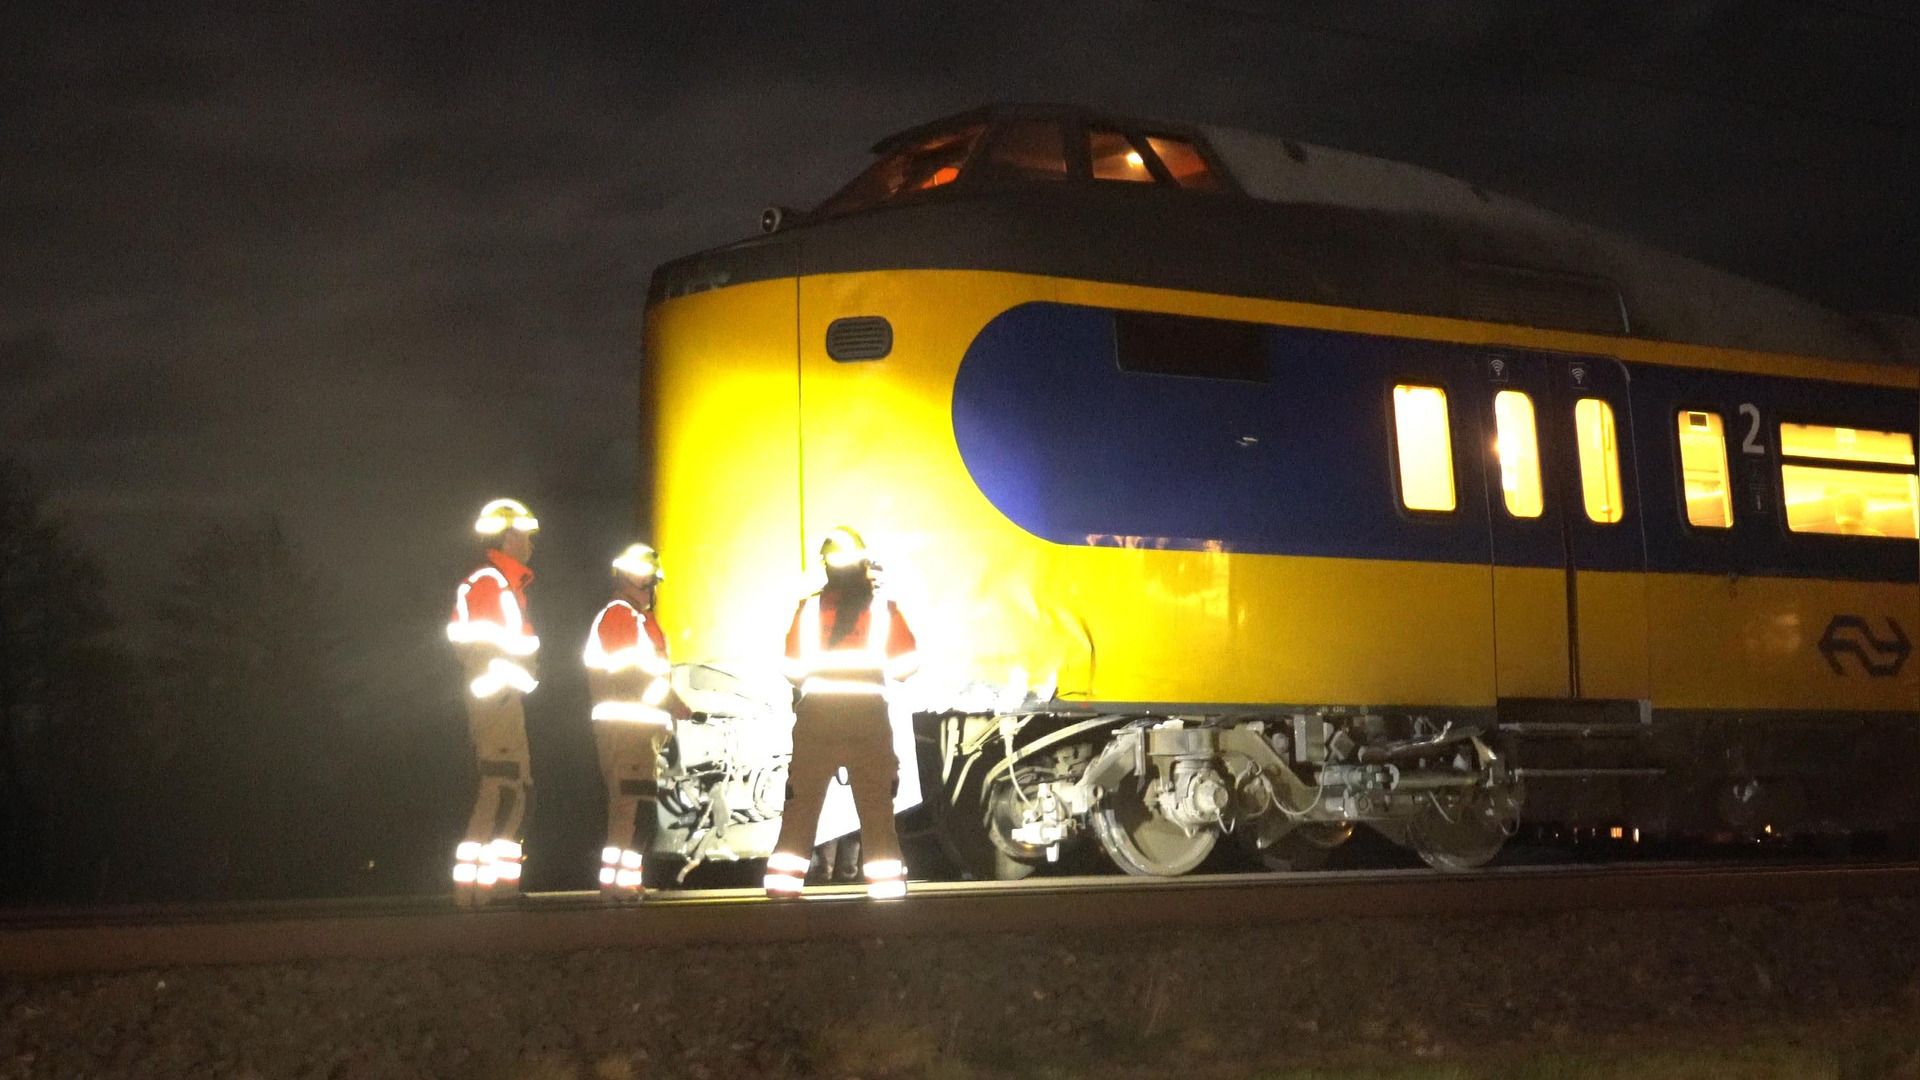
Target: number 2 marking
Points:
(1751, 444)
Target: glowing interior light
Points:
(1599, 460)
(1517, 446)
(1703, 470)
(1425, 451)
(1846, 444)
(1134, 159)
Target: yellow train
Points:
(1243, 487)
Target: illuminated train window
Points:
(932, 162)
(1183, 161)
(1147, 343)
(1874, 493)
(1425, 447)
(1703, 470)
(1029, 150)
(1115, 157)
(1518, 446)
(1599, 460)
(1846, 444)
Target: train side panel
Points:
(720, 405)
(1126, 537)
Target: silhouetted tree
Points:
(65, 742)
(254, 671)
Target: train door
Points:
(1570, 604)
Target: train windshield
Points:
(934, 161)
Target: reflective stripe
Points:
(508, 871)
(606, 875)
(784, 883)
(842, 686)
(630, 860)
(503, 848)
(892, 889)
(656, 692)
(788, 862)
(627, 879)
(845, 660)
(631, 712)
(489, 873)
(502, 673)
(469, 851)
(465, 873)
(610, 855)
(488, 632)
(883, 868)
(903, 665)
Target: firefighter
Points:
(496, 645)
(629, 676)
(845, 646)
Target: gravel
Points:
(1205, 1002)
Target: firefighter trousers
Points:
(630, 764)
(498, 726)
(831, 732)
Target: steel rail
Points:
(556, 922)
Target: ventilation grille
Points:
(868, 337)
(1540, 298)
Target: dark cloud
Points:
(371, 264)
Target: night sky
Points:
(369, 265)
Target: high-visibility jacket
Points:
(627, 667)
(491, 629)
(877, 648)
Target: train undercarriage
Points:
(1006, 791)
(1009, 791)
(1157, 793)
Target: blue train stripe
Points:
(1076, 451)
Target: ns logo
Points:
(1852, 635)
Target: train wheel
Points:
(974, 826)
(1466, 831)
(1143, 843)
(1283, 846)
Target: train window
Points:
(1029, 150)
(1115, 157)
(1846, 444)
(1184, 163)
(1147, 343)
(1424, 443)
(1518, 446)
(1878, 496)
(930, 163)
(1703, 470)
(1850, 502)
(1599, 460)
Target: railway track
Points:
(550, 922)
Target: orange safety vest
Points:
(490, 622)
(877, 648)
(627, 668)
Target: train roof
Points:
(1286, 219)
